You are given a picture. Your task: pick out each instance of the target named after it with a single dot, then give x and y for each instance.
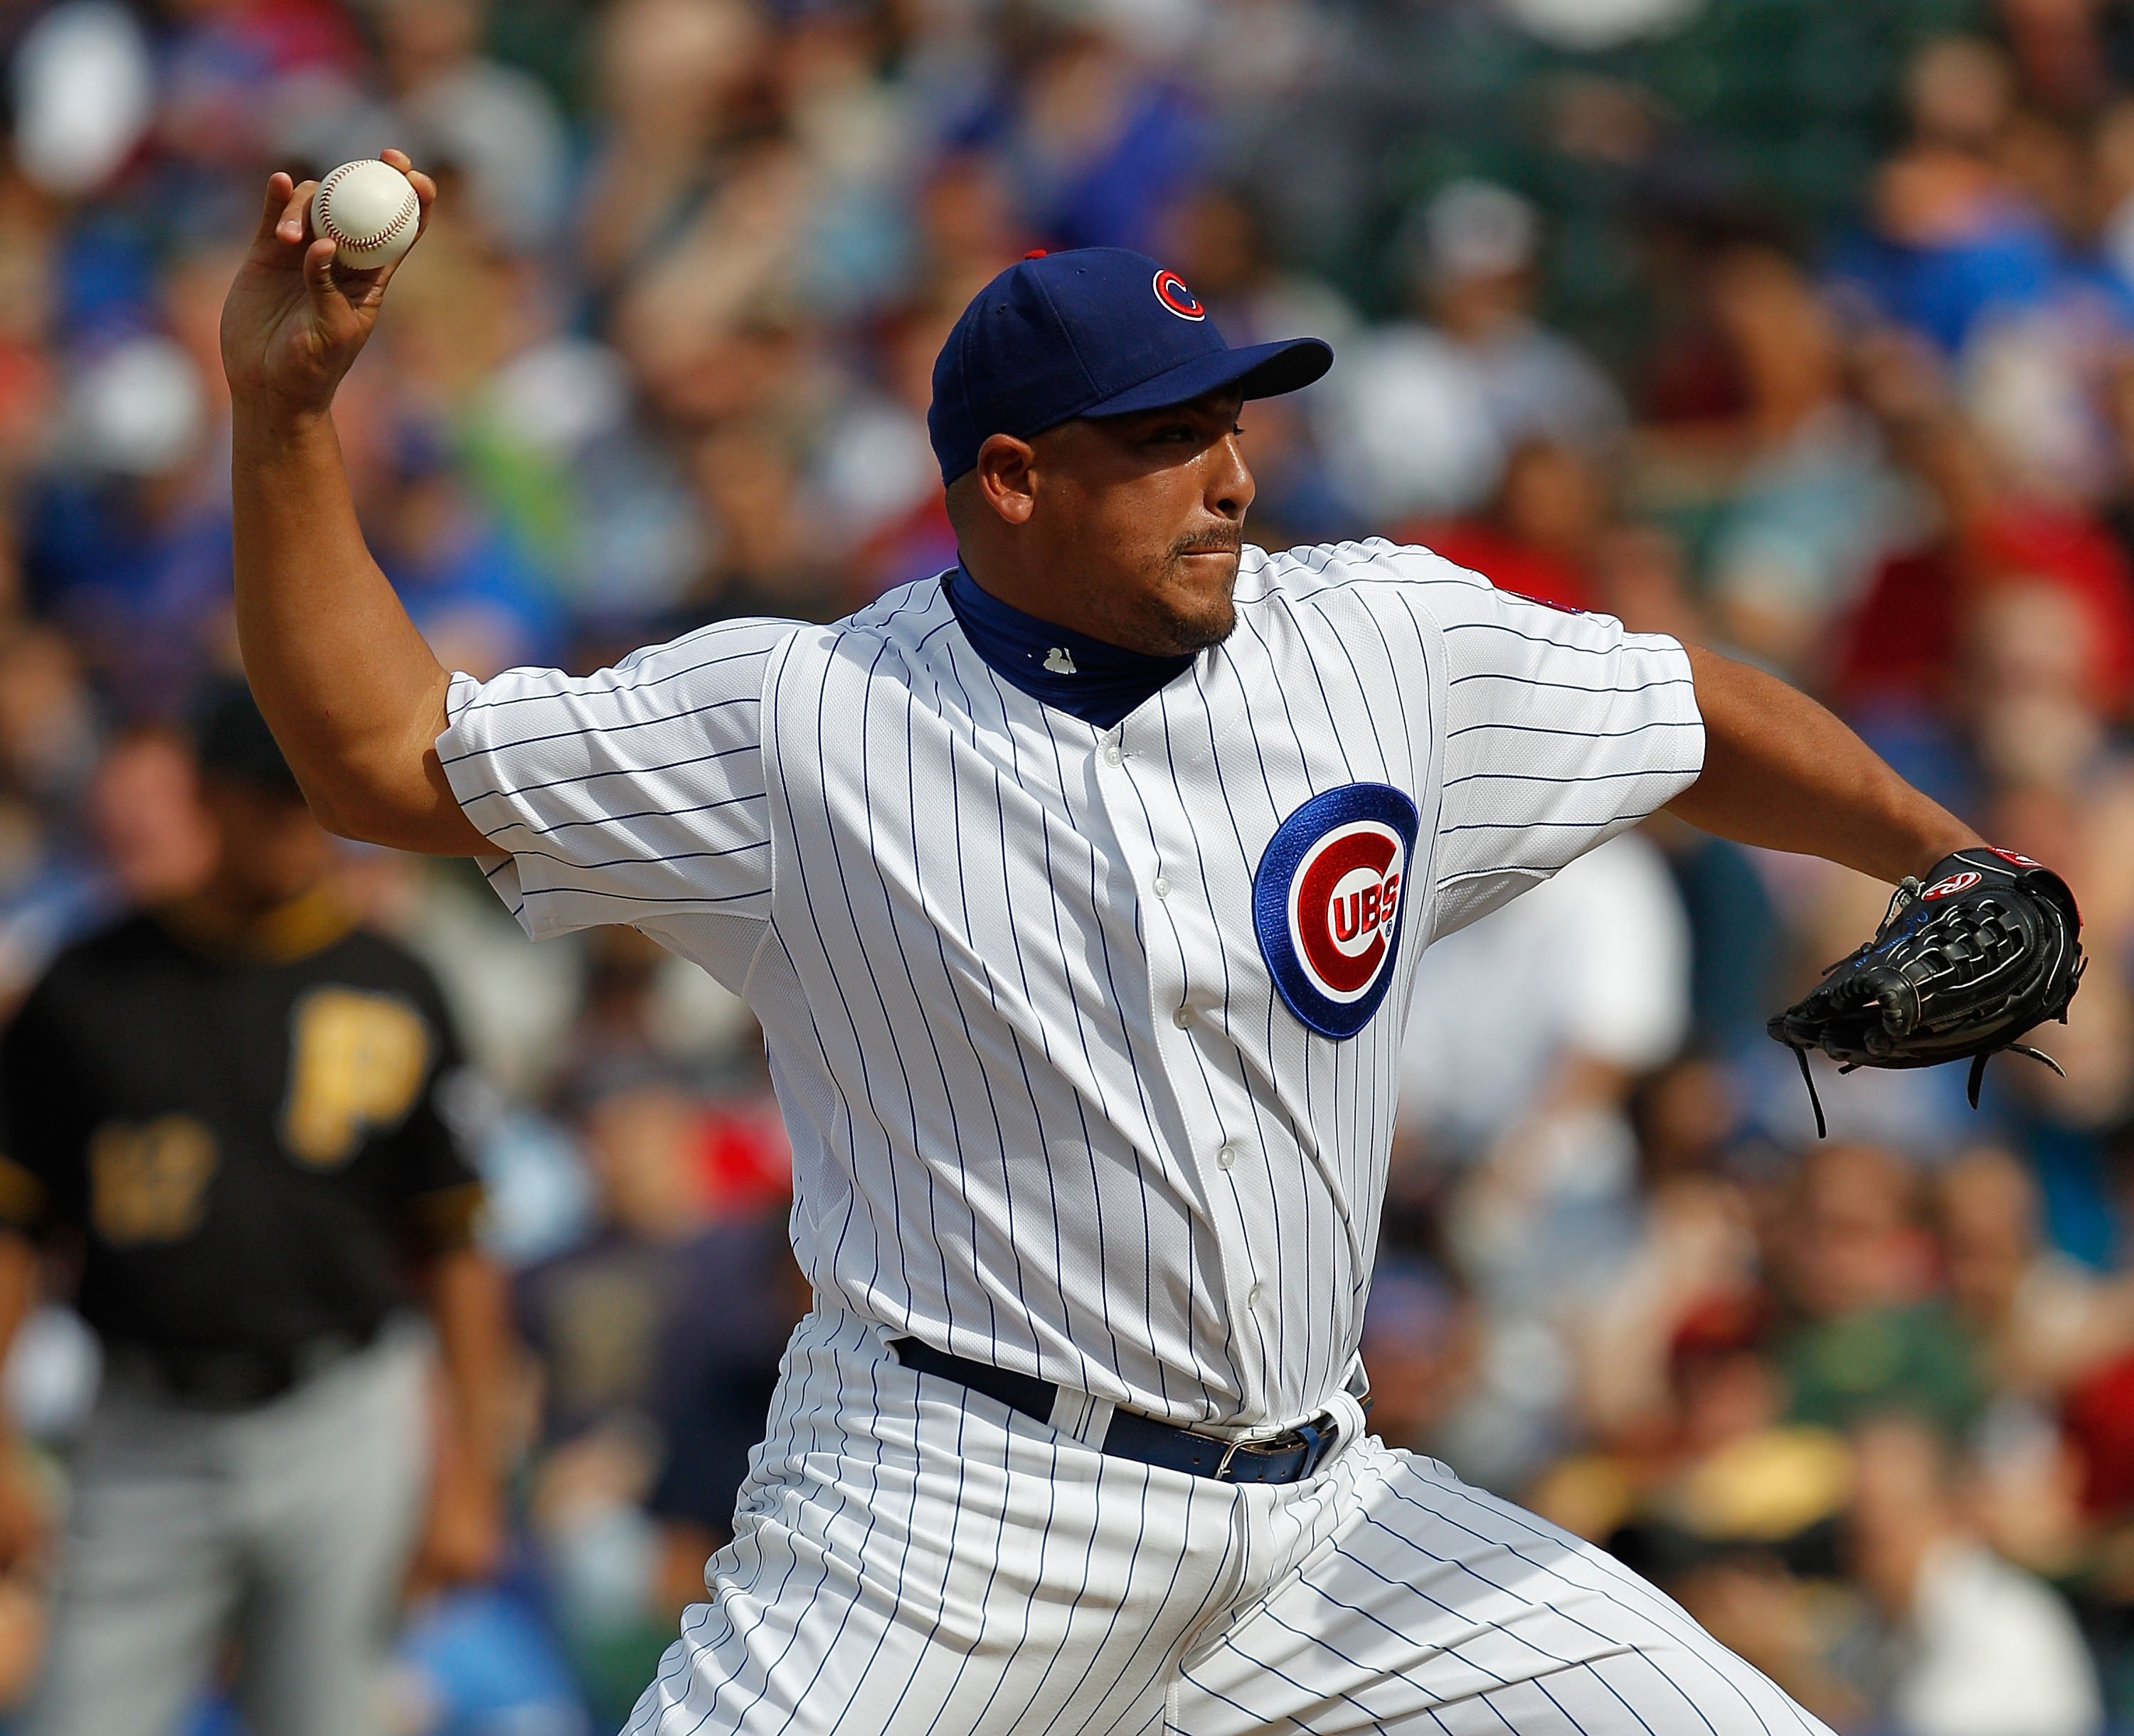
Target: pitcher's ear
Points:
(1006, 477)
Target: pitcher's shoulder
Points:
(1375, 575)
(1307, 571)
(905, 614)
(890, 638)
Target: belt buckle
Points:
(1319, 1434)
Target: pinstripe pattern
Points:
(1048, 1111)
(1434, 1606)
(904, 1562)
(941, 898)
(913, 1559)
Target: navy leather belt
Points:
(1287, 1458)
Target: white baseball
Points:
(369, 211)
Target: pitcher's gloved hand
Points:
(1963, 965)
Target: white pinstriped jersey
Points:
(1056, 1014)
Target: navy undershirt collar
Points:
(1084, 676)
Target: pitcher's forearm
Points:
(352, 692)
(352, 689)
(1782, 772)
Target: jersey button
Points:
(1160, 887)
(1183, 1018)
(1112, 754)
(1253, 1296)
(1226, 1155)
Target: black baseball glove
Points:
(1963, 965)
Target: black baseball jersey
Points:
(246, 1136)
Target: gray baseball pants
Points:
(286, 1527)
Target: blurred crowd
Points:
(1801, 327)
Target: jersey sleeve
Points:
(1560, 730)
(635, 793)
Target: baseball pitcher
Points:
(1078, 891)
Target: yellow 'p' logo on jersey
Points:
(356, 1062)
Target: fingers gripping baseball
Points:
(295, 321)
(332, 308)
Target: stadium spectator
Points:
(1976, 1646)
(659, 1337)
(1425, 414)
(1868, 1333)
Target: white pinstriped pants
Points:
(912, 1557)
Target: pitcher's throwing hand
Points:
(293, 320)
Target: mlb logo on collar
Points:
(1328, 901)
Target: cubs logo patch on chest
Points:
(1327, 903)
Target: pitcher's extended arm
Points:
(351, 688)
(1781, 771)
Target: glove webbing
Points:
(1907, 894)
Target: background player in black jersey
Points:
(226, 1111)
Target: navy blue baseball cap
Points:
(1093, 331)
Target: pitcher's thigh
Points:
(1437, 1607)
(981, 1585)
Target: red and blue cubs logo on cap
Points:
(1328, 901)
(1171, 290)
